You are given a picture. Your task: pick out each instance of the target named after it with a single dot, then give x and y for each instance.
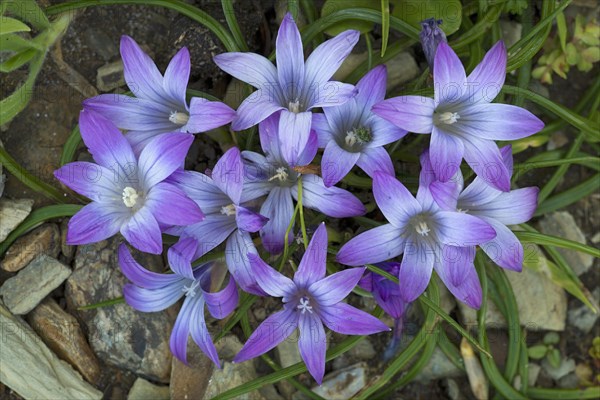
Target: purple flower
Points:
(219, 197)
(427, 236)
(351, 134)
(385, 292)
(294, 87)
(309, 301)
(160, 105)
(128, 194)
(494, 207)
(431, 36)
(460, 117)
(274, 177)
(152, 292)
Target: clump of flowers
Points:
(248, 203)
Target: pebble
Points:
(511, 32)
(42, 240)
(24, 291)
(32, 370)
(190, 381)
(144, 390)
(567, 365)
(12, 213)
(62, 333)
(439, 366)
(340, 385)
(363, 350)
(110, 76)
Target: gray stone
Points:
(583, 318)
(364, 350)
(144, 390)
(341, 385)
(534, 372)
(32, 370)
(453, 391)
(190, 381)
(42, 240)
(569, 381)
(119, 335)
(567, 365)
(287, 354)
(12, 213)
(110, 76)
(439, 366)
(562, 224)
(511, 32)
(24, 291)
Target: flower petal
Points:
(268, 130)
(181, 329)
(279, 208)
(332, 201)
(329, 56)
(511, 208)
(200, 333)
(505, 249)
(445, 152)
(330, 94)
(321, 126)
(458, 272)
(376, 159)
(485, 159)
(141, 74)
(415, 270)
(347, 320)
(274, 330)
(171, 206)
(488, 76)
(336, 163)
(238, 246)
(95, 222)
(228, 174)
(312, 265)
(371, 87)
(201, 189)
(211, 232)
(290, 58)
(498, 122)
(375, 245)
(310, 150)
(152, 300)
(446, 195)
(412, 113)
(449, 76)
(251, 68)
(459, 229)
(393, 198)
(222, 303)
(254, 109)
(294, 131)
(140, 275)
(249, 221)
(162, 156)
(383, 131)
(334, 288)
(91, 180)
(271, 281)
(312, 344)
(181, 255)
(107, 144)
(478, 193)
(177, 76)
(206, 115)
(143, 232)
(139, 139)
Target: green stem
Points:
(301, 210)
(229, 12)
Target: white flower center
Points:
(179, 118)
(304, 305)
(228, 210)
(294, 106)
(358, 135)
(281, 174)
(448, 117)
(351, 138)
(190, 291)
(422, 228)
(130, 196)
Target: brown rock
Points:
(67, 250)
(43, 240)
(190, 381)
(62, 333)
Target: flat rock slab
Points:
(144, 390)
(43, 240)
(118, 334)
(12, 213)
(32, 284)
(32, 370)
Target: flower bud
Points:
(431, 35)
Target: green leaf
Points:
(106, 303)
(548, 240)
(385, 25)
(561, 24)
(12, 42)
(332, 6)
(415, 11)
(551, 338)
(537, 352)
(11, 25)
(17, 60)
(554, 358)
(71, 146)
(28, 11)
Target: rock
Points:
(118, 334)
(32, 370)
(534, 372)
(529, 287)
(364, 350)
(43, 240)
(67, 250)
(453, 391)
(12, 213)
(570, 381)
(110, 76)
(341, 385)
(24, 291)
(439, 366)
(511, 32)
(287, 354)
(557, 140)
(190, 381)
(596, 238)
(62, 333)
(562, 224)
(102, 44)
(582, 317)
(567, 365)
(401, 69)
(144, 390)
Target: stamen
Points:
(358, 135)
(130, 196)
(294, 106)
(351, 138)
(422, 228)
(304, 305)
(448, 117)
(190, 291)
(228, 210)
(179, 118)
(281, 174)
